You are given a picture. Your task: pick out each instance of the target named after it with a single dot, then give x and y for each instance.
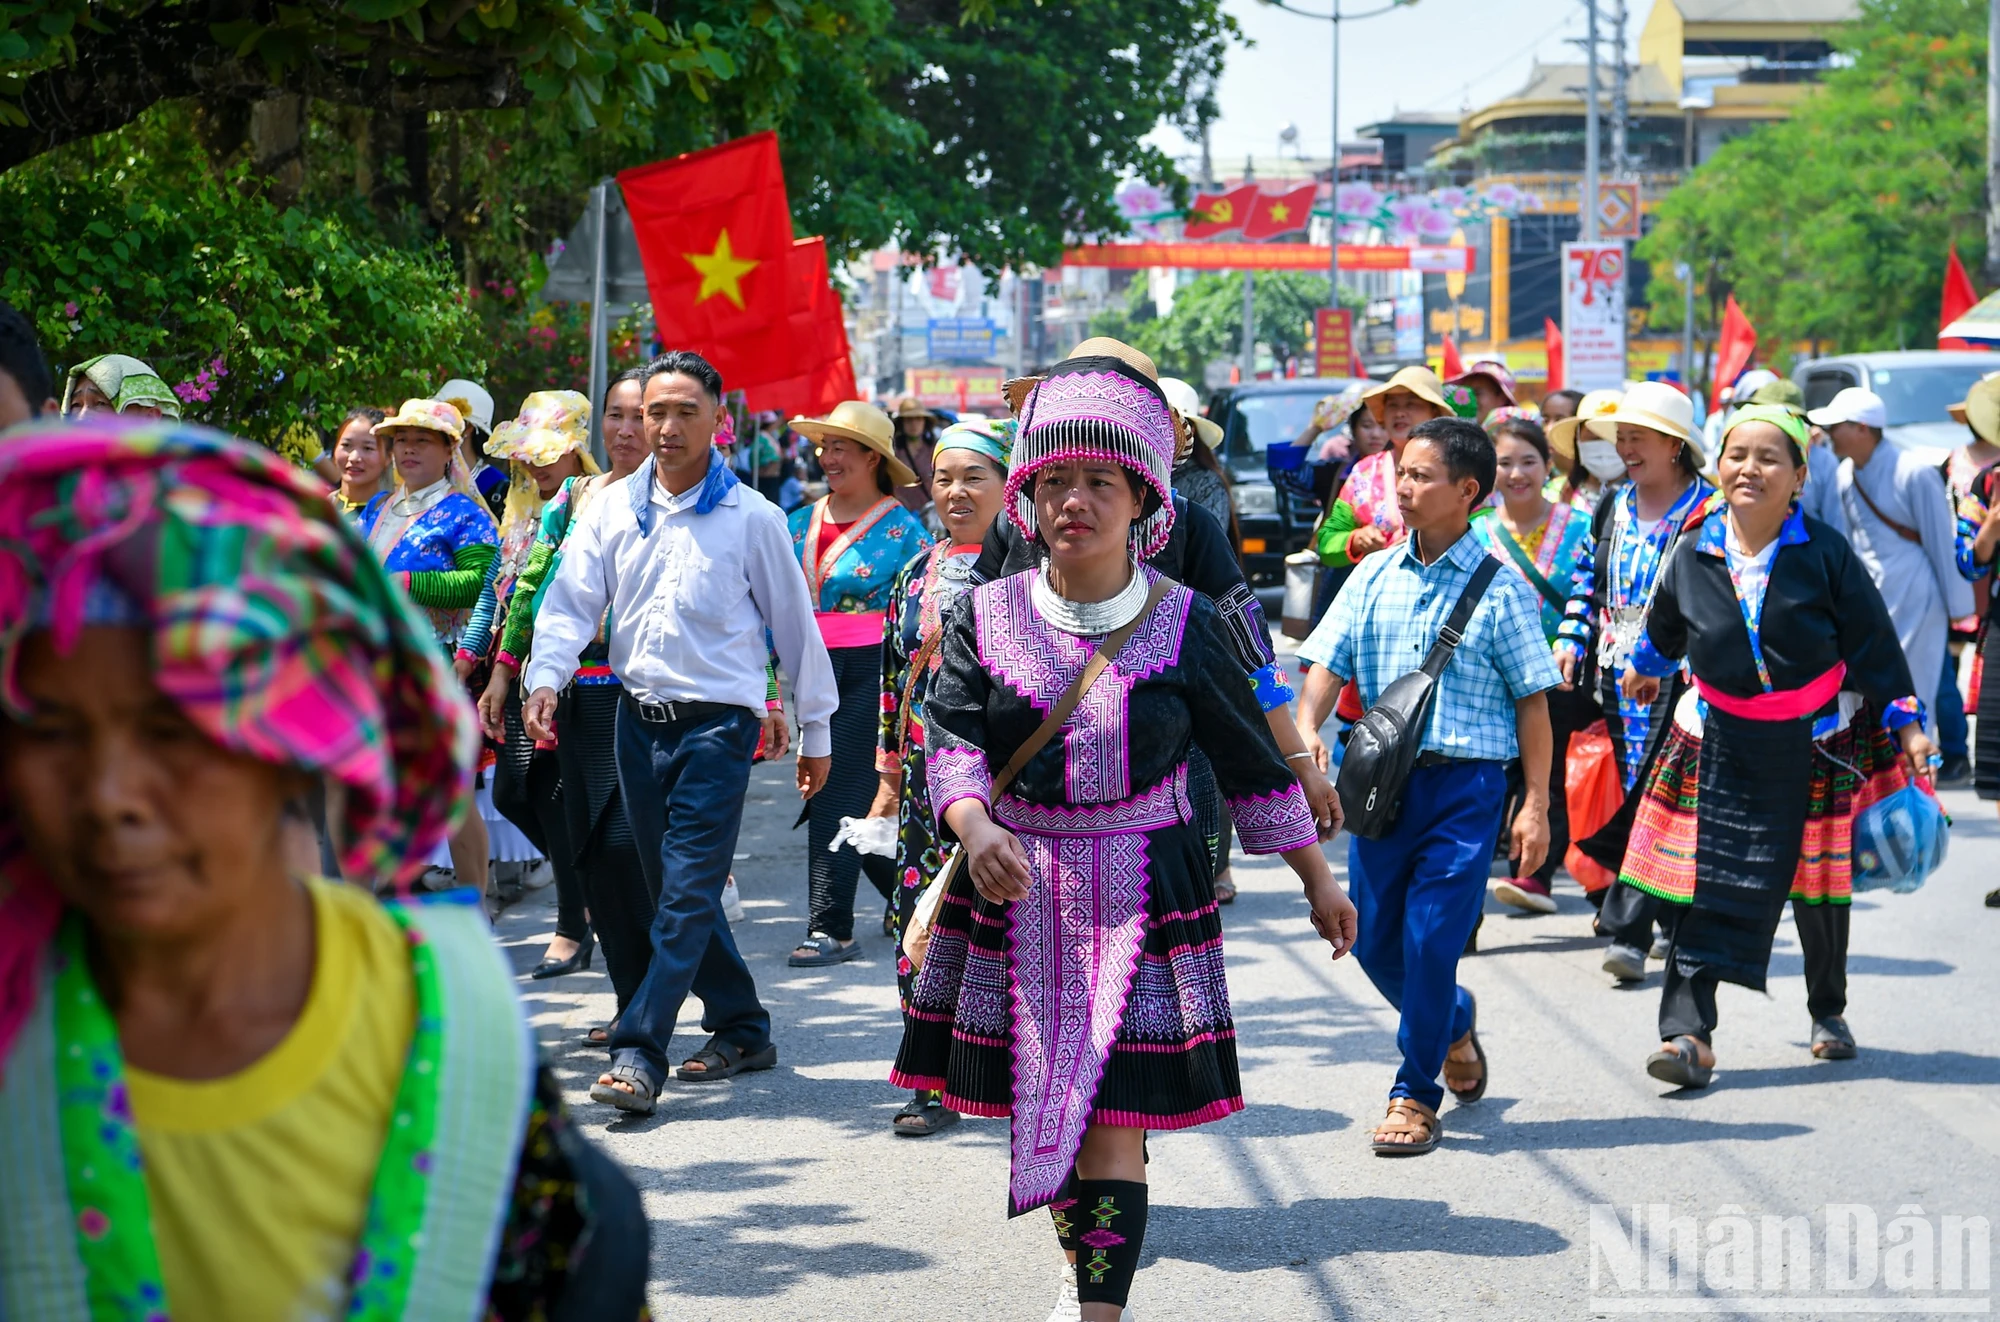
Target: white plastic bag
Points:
(868, 835)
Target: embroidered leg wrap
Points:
(1110, 1228)
(1063, 1212)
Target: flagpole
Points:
(1333, 176)
(600, 367)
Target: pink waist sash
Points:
(1782, 705)
(850, 628)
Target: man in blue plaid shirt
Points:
(1420, 889)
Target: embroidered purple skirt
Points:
(1098, 999)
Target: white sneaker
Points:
(1069, 1308)
(732, 901)
(539, 874)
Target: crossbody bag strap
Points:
(1519, 555)
(1113, 643)
(1453, 632)
(925, 651)
(1906, 533)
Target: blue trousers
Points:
(1419, 892)
(683, 786)
(1954, 732)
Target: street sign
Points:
(1594, 315)
(1618, 211)
(959, 339)
(1333, 339)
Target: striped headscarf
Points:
(274, 629)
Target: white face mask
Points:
(1601, 459)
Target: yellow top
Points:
(259, 1181)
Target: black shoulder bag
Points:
(1382, 750)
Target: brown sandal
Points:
(1408, 1116)
(1466, 1079)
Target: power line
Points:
(1502, 65)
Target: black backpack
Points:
(1382, 750)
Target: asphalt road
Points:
(784, 1195)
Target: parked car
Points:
(1255, 417)
(1915, 386)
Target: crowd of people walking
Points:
(1033, 700)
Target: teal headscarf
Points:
(1789, 421)
(995, 440)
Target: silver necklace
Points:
(1089, 619)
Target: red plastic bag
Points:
(1595, 794)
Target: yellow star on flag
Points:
(1280, 212)
(721, 271)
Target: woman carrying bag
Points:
(1082, 915)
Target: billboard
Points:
(1594, 315)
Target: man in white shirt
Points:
(1902, 524)
(693, 566)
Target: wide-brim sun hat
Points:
(1958, 410)
(1492, 369)
(1562, 432)
(551, 424)
(1982, 408)
(863, 423)
(1654, 405)
(1103, 402)
(431, 415)
(912, 407)
(471, 399)
(1185, 400)
(1418, 381)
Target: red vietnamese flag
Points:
(715, 233)
(1450, 363)
(1552, 342)
(1219, 213)
(823, 370)
(1958, 300)
(1734, 346)
(1279, 213)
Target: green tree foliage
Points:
(72, 68)
(269, 320)
(1831, 227)
(1206, 324)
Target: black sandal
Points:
(721, 1059)
(923, 1115)
(601, 1035)
(1681, 1066)
(1832, 1039)
(628, 1069)
(825, 950)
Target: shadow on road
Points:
(1954, 1067)
(753, 1252)
(1318, 1229)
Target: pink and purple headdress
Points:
(1097, 406)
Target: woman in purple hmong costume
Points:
(1074, 978)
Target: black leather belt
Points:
(667, 713)
(1430, 757)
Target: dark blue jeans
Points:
(1419, 892)
(683, 786)
(1954, 732)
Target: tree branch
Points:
(119, 73)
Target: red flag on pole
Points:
(1552, 343)
(1958, 300)
(822, 370)
(715, 233)
(1451, 362)
(1218, 213)
(1279, 213)
(1735, 346)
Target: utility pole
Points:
(1993, 142)
(1621, 105)
(1333, 173)
(1587, 204)
(1249, 366)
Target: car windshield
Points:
(1260, 421)
(1920, 394)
